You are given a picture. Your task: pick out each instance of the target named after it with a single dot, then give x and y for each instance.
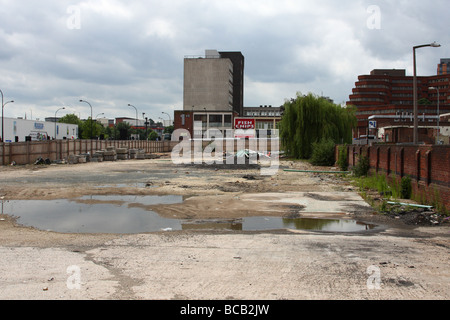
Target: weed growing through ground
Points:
(394, 190)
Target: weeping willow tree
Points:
(309, 119)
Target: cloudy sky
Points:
(112, 53)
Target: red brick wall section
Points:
(188, 123)
(428, 166)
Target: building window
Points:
(201, 118)
(215, 120)
(227, 121)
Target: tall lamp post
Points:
(3, 106)
(3, 123)
(438, 116)
(415, 133)
(170, 119)
(91, 116)
(55, 119)
(130, 105)
(146, 124)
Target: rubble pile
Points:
(425, 216)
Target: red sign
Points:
(244, 123)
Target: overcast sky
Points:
(112, 53)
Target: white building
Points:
(17, 130)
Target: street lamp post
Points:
(3, 106)
(146, 124)
(415, 133)
(170, 119)
(130, 105)
(91, 115)
(438, 116)
(55, 119)
(3, 123)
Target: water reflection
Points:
(317, 224)
(128, 214)
(80, 217)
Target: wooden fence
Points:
(27, 152)
(22, 153)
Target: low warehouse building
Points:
(19, 130)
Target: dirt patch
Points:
(224, 206)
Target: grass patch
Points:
(393, 190)
(379, 183)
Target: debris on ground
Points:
(412, 215)
(40, 160)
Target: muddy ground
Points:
(408, 256)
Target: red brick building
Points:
(390, 92)
(444, 67)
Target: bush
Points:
(362, 167)
(342, 158)
(406, 188)
(153, 135)
(323, 153)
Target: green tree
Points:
(70, 119)
(110, 132)
(124, 131)
(323, 153)
(152, 135)
(424, 101)
(88, 132)
(343, 158)
(309, 119)
(169, 129)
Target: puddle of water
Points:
(130, 199)
(274, 223)
(120, 215)
(316, 224)
(129, 185)
(80, 217)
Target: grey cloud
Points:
(132, 51)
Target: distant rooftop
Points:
(209, 54)
(388, 72)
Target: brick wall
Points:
(428, 166)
